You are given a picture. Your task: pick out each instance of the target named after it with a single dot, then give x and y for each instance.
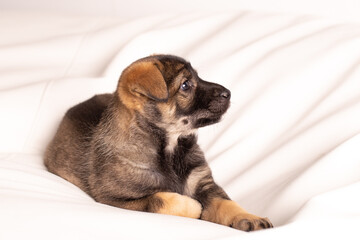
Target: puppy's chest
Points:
(177, 162)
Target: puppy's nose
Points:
(226, 94)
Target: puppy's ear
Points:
(144, 78)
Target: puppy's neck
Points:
(171, 143)
(164, 133)
(172, 137)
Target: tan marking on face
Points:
(184, 98)
(176, 83)
(179, 205)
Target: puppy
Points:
(137, 148)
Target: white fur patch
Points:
(177, 129)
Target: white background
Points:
(348, 9)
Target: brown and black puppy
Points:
(137, 148)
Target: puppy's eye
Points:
(185, 86)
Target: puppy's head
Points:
(168, 92)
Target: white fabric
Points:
(288, 148)
(342, 9)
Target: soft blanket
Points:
(288, 148)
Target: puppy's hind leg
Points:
(162, 202)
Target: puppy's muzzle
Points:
(220, 101)
(223, 95)
(212, 101)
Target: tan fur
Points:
(229, 213)
(179, 205)
(173, 89)
(140, 81)
(182, 100)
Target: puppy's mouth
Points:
(210, 116)
(202, 122)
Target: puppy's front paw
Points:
(179, 205)
(249, 222)
(229, 213)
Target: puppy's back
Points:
(86, 115)
(66, 154)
